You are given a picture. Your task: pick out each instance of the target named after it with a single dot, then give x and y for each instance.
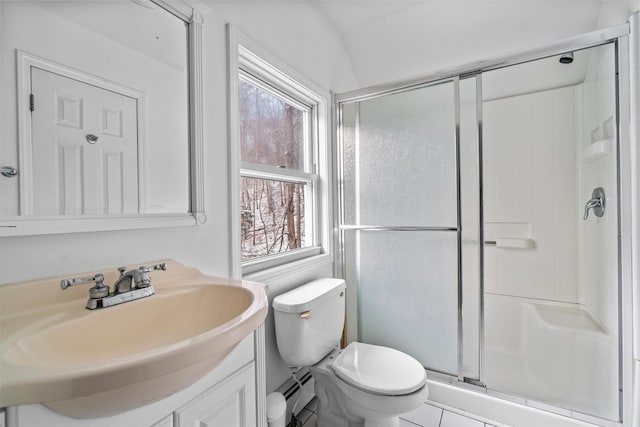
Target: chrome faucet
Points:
(131, 285)
(597, 203)
(138, 276)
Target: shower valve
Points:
(597, 203)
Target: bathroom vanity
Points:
(225, 396)
(185, 354)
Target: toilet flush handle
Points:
(305, 315)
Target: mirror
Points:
(100, 116)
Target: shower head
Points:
(566, 58)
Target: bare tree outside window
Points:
(272, 211)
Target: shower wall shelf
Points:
(511, 243)
(597, 150)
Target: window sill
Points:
(272, 274)
(266, 262)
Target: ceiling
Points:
(348, 15)
(390, 40)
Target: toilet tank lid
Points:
(307, 296)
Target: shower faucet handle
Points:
(597, 203)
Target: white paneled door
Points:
(85, 148)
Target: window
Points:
(276, 185)
(280, 133)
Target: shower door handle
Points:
(597, 203)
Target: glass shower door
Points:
(551, 261)
(400, 221)
(475, 232)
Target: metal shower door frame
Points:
(341, 227)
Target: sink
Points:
(106, 335)
(87, 364)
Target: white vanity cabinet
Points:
(165, 422)
(224, 397)
(230, 403)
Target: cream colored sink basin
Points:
(87, 364)
(150, 325)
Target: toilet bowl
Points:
(367, 385)
(362, 385)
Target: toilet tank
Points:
(309, 321)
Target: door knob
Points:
(91, 139)
(8, 171)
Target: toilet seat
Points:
(379, 370)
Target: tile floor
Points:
(428, 415)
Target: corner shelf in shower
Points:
(597, 150)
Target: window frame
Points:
(250, 63)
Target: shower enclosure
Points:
(471, 234)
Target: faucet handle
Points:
(100, 290)
(98, 279)
(143, 279)
(597, 203)
(161, 266)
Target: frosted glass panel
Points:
(404, 158)
(349, 155)
(407, 294)
(398, 162)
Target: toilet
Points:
(361, 385)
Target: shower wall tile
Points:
(545, 290)
(567, 265)
(505, 273)
(525, 278)
(531, 178)
(524, 288)
(524, 176)
(490, 270)
(566, 293)
(495, 161)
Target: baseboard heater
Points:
(294, 388)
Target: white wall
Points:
(292, 32)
